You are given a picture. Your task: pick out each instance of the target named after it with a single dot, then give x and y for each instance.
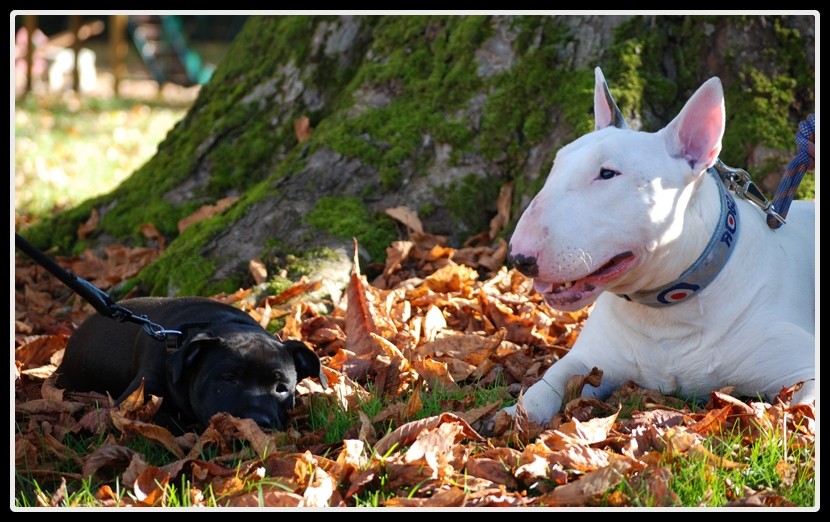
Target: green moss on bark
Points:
(762, 108)
(421, 69)
(347, 218)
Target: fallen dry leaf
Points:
(45, 406)
(435, 373)
(320, 489)
(406, 434)
(712, 422)
(359, 325)
(150, 231)
(246, 430)
(503, 204)
(150, 486)
(407, 217)
(205, 212)
(268, 497)
(40, 349)
(436, 448)
(761, 499)
(89, 226)
(299, 288)
(587, 490)
(149, 431)
(49, 391)
(350, 461)
(450, 497)
(493, 470)
(472, 415)
(302, 129)
(258, 271)
(414, 404)
(574, 386)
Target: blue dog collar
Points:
(707, 267)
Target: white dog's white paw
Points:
(806, 394)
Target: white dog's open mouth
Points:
(573, 295)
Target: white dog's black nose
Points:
(524, 264)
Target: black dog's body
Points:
(225, 361)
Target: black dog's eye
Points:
(282, 388)
(230, 377)
(607, 173)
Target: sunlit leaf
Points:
(451, 278)
(451, 497)
(435, 373)
(406, 434)
(150, 486)
(591, 431)
(712, 422)
(587, 490)
(414, 404)
(503, 204)
(407, 217)
(269, 497)
(574, 386)
(258, 271)
(149, 431)
(762, 499)
(39, 350)
(320, 490)
(359, 324)
(493, 470)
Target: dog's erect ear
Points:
(695, 134)
(606, 111)
(186, 355)
(306, 362)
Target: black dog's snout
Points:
(266, 421)
(524, 264)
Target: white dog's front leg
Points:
(544, 399)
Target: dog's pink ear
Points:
(695, 134)
(606, 112)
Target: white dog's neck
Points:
(699, 251)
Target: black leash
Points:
(99, 299)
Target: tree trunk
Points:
(320, 124)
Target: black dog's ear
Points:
(306, 362)
(186, 355)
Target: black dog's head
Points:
(247, 373)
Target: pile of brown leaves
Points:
(427, 321)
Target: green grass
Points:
(67, 151)
(695, 478)
(699, 482)
(324, 413)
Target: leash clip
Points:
(740, 182)
(157, 331)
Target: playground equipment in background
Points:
(165, 52)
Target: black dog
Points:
(224, 361)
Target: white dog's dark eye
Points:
(607, 173)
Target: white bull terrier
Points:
(693, 290)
